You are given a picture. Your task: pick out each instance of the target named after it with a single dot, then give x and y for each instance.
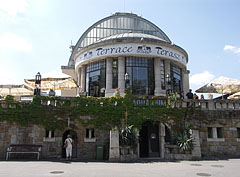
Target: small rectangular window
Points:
(90, 133)
(87, 133)
(219, 132)
(49, 133)
(238, 132)
(210, 132)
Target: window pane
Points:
(210, 132)
(87, 133)
(141, 72)
(93, 133)
(115, 73)
(219, 132)
(238, 132)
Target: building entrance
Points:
(149, 140)
(74, 137)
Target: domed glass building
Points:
(126, 50)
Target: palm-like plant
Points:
(128, 136)
(184, 139)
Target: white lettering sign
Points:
(131, 49)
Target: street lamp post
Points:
(38, 79)
(168, 84)
(127, 80)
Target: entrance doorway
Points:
(74, 137)
(149, 140)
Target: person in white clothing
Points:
(69, 145)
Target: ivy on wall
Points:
(103, 113)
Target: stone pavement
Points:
(216, 168)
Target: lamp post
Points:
(127, 80)
(168, 84)
(38, 79)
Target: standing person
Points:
(69, 145)
(189, 94)
(195, 96)
(181, 94)
(202, 97)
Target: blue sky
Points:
(35, 34)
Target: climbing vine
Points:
(103, 113)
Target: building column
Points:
(78, 80)
(157, 75)
(162, 140)
(185, 80)
(114, 153)
(121, 74)
(109, 91)
(83, 77)
(196, 152)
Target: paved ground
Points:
(216, 168)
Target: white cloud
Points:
(201, 78)
(10, 8)
(12, 41)
(8, 77)
(231, 48)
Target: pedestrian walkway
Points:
(217, 168)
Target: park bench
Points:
(24, 149)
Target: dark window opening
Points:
(219, 132)
(238, 132)
(90, 133)
(49, 133)
(115, 73)
(210, 132)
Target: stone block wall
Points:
(228, 145)
(52, 148)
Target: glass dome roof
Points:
(118, 23)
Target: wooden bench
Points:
(23, 149)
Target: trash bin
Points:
(100, 150)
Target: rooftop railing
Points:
(181, 103)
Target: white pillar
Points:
(185, 78)
(157, 73)
(109, 91)
(196, 152)
(114, 153)
(83, 77)
(78, 79)
(162, 140)
(121, 74)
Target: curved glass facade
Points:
(118, 24)
(96, 79)
(176, 77)
(141, 72)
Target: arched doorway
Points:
(74, 137)
(149, 140)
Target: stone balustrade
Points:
(183, 103)
(210, 104)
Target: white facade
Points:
(126, 43)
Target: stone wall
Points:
(228, 145)
(52, 148)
